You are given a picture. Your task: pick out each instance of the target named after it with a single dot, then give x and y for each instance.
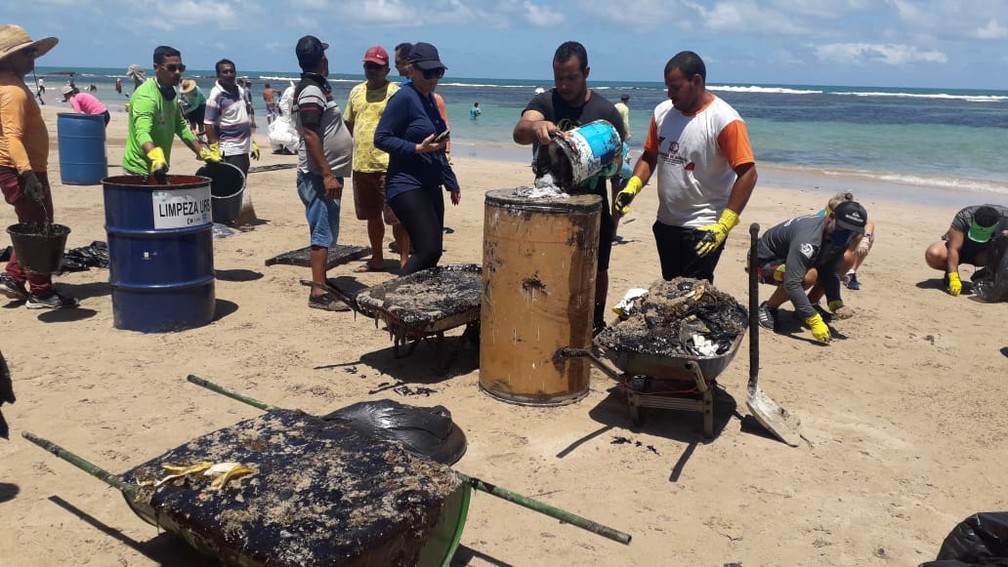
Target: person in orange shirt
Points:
(24, 153)
(699, 149)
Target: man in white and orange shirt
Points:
(699, 147)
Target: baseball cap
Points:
(850, 215)
(984, 223)
(309, 51)
(376, 54)
(424, 56)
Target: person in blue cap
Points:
(968, 241)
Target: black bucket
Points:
(227, 187)
(39, 246)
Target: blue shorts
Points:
(322, 214)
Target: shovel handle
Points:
(753, 308)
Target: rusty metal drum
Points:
(539, 265)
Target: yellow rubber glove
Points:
(626, 196)
(819, 329)
(839, 311)
(255, 150)
(158, 163)
(718, 233)
(954, 283)
(209, 155)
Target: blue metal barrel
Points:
(82, 157)
(160, 240)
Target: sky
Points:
(951, 44)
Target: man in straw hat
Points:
(24, 153)
(193, 102)
(155, 119)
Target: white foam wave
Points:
(942, 96)
(916, 180)
(487, 85)
(767, 90)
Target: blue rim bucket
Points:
(583, 152)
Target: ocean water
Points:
(950, 141)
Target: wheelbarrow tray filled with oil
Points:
(426, 303)
(314, 492)
(685, 326)
(667, 366)
(310, 491)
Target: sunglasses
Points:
(30, 52)
(173, 68)
(434, 73)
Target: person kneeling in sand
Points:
(853, 257)
(968, 241)
(801, 252)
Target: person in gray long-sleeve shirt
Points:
(811, 248)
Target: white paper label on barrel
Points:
(180, 208)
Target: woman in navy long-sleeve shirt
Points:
(418, 166)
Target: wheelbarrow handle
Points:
(754, 229)
(571, 352)
(83, 464)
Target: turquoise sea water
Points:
(949, 140)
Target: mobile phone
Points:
(442, 136)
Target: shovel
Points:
(771, 416)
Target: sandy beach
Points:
(902, 415)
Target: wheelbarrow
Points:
(682, 382)
(235, 546)
(420, 306)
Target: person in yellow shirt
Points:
(363, 110)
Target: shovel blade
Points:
(775, 419)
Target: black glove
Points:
(34, 188)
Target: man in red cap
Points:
(363, 110)
(24, 153)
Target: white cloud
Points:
(885, 53)
(991, 30)
(392, 12)
(542, 16)
(309, 4)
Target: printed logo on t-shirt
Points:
(669, 153)
(566, 124)
(807, 250)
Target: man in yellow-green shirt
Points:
(155, 119)
(363, 110)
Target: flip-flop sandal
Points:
(363, 268)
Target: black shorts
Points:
(606, 231)
(677, 253)
(195, 116)
(970, 249)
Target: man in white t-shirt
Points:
(229, 129)
(699, 147)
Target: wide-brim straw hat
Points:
(187, 85)
(14, 38)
